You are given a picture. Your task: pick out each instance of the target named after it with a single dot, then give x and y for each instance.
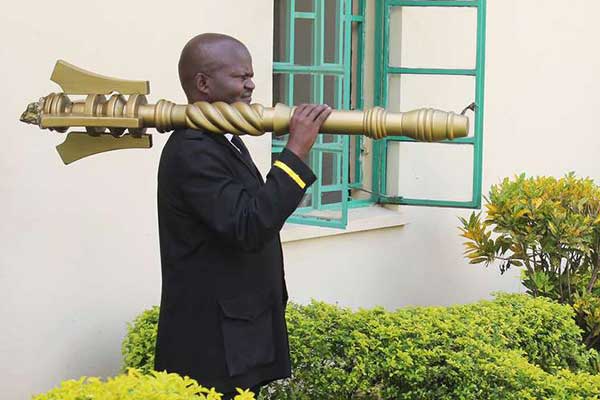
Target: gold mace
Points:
(106, 120)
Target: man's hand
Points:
(304, 127)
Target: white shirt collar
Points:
(229, 136)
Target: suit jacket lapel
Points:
(250, 165)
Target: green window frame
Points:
(329, 81)
(384, 70)
(347, 72)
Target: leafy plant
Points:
(136, 386)
(138, 346)
(514, 347)
(551, 229)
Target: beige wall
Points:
(541, 105)
(80, 247)
(80, 255)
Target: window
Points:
(426, 53)
(432, 56)
(318, 59)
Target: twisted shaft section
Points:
(219, 117)
(426, 124)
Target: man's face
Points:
(232, 82)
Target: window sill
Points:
(359, 220)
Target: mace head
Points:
(33, 113)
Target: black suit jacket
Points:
(222, 318)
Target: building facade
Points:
(80, 256)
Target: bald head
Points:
(210, 61)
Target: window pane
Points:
(355, 73)
(303, 89)
(431, 171)
(332, 37)
(281, 95)
(332, 197)
(444, 92)
(306, 200)
(303, 42)
(302, 5)
(331, 91)
(356, 158)
(433, 37)
(280, 88)
(280, 31)
(331, 171)
(331, 96)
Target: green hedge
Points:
(136, 386)
(515, 347)
(504, 349)
(138, 346)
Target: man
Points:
(223, 299)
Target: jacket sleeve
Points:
(224, 204)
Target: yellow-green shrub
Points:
(138, 346)
(550, 229)
(136, 386)
(514, 347)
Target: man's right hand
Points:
(304, 127)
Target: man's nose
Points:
(249, 84)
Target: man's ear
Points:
(201, 84)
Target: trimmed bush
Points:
(138, 346)
(515, 347)
(550, 229)
(504, 349)
(136, 386)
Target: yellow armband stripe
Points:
(291, 173)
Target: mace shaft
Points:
(98, 114)
(120, 122)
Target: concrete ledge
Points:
(359, 220)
